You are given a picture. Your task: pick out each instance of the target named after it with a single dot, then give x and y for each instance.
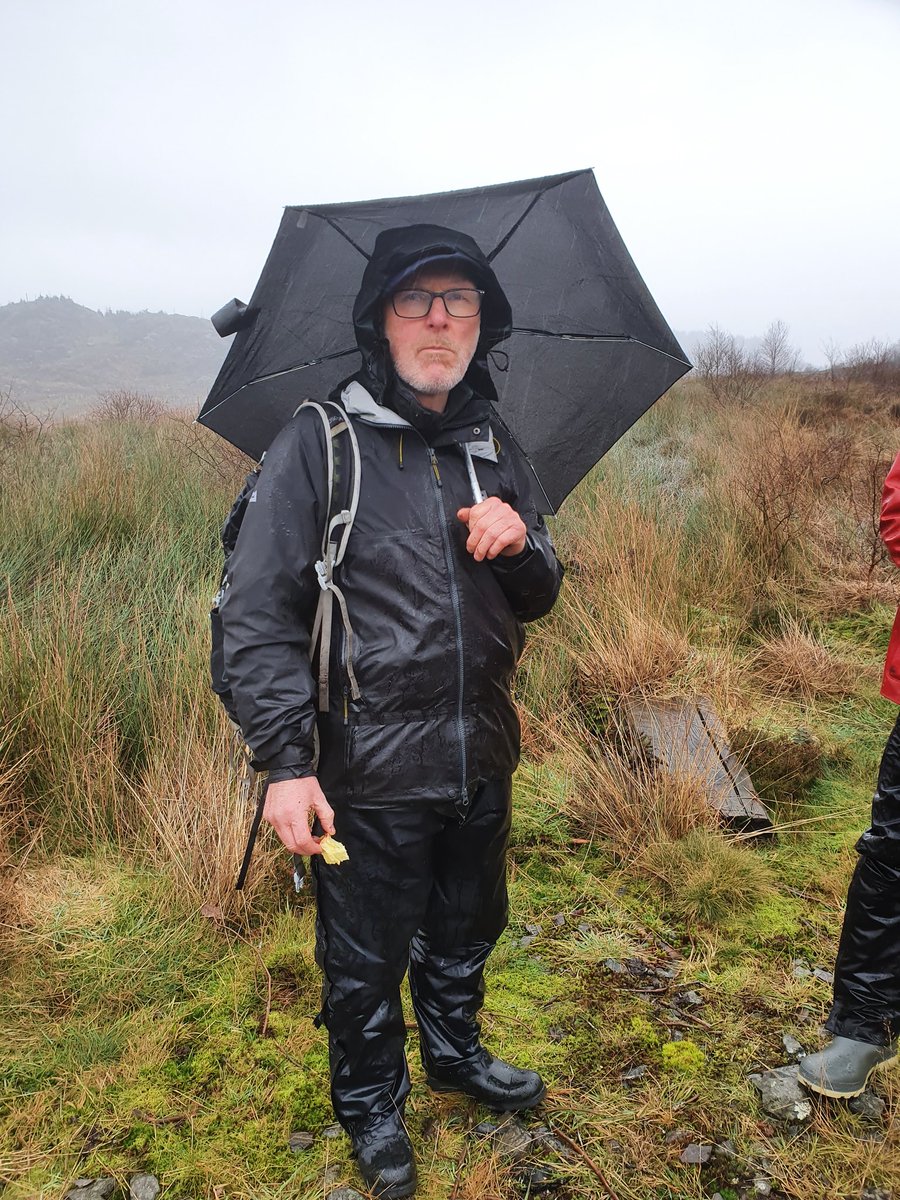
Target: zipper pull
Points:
(434, 467)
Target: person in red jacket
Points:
(865, 1015)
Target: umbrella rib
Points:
(598, 337)
(276, 374)
(496, 250)
(337, 229)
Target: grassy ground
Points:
(151, 1020)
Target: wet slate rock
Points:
(539, 1181)
(332, 1176)
(534, 930)
(528, 940)
(345, 1193)
(823, 976)
(544, 1136)
(868, 1106)
(332, 1131)
(485, 1128)
(725, 1152)
(513, 1141)
(691, 999)
(559, 919)
(300, 1140)
(143, 1187)
(617, 968)
(781, 1095)
(93, 1189)
(633, 1074)
(791, 1045)
(696, 1154)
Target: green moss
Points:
(683, 1058)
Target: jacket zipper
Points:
(457, 613)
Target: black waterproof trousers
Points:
(867, 973)
(425, 889)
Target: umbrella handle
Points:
(477, 493)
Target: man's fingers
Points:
(325, 813)
(481, 540)
(493, 527)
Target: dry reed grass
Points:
(797, 663)
(195, 820)
(620, 798)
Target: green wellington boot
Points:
(843, 1068)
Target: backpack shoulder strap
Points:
(335, 536)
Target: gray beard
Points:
(431, 386)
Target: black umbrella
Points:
(588, 354)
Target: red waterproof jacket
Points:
(890, 532)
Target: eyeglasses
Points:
(414, 303)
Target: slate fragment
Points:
(781, 1095)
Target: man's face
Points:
(431, 354)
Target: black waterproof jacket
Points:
(436, 634)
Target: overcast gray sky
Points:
(747, 151)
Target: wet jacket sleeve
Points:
(270, 599)
(890, 512)
(530, 580)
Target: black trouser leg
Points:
(867, 972)
(368, 910)
(467, 912)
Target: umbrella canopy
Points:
(588, 354)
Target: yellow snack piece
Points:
(333, 851)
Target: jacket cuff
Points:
(293, 756)
(507, 563)
(280, 774)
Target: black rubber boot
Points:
(385, 1160)
(492, 1082)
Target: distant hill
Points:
(57, 355)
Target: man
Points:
(414, 775)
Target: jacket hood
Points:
(396, 253)
(399, 251)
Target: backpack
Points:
(335, 535)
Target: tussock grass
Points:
(705, 878)
(797, 662)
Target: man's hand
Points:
(289, 809)
(494, 528)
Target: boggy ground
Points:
(152, 1021)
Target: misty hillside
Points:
(56, 354)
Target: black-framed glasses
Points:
(414, 303)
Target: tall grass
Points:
(703, 554)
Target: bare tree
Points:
(776, 354)
(20, 429)
(728, 371)
(872, 362)
(834, 356)
(122, 404)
